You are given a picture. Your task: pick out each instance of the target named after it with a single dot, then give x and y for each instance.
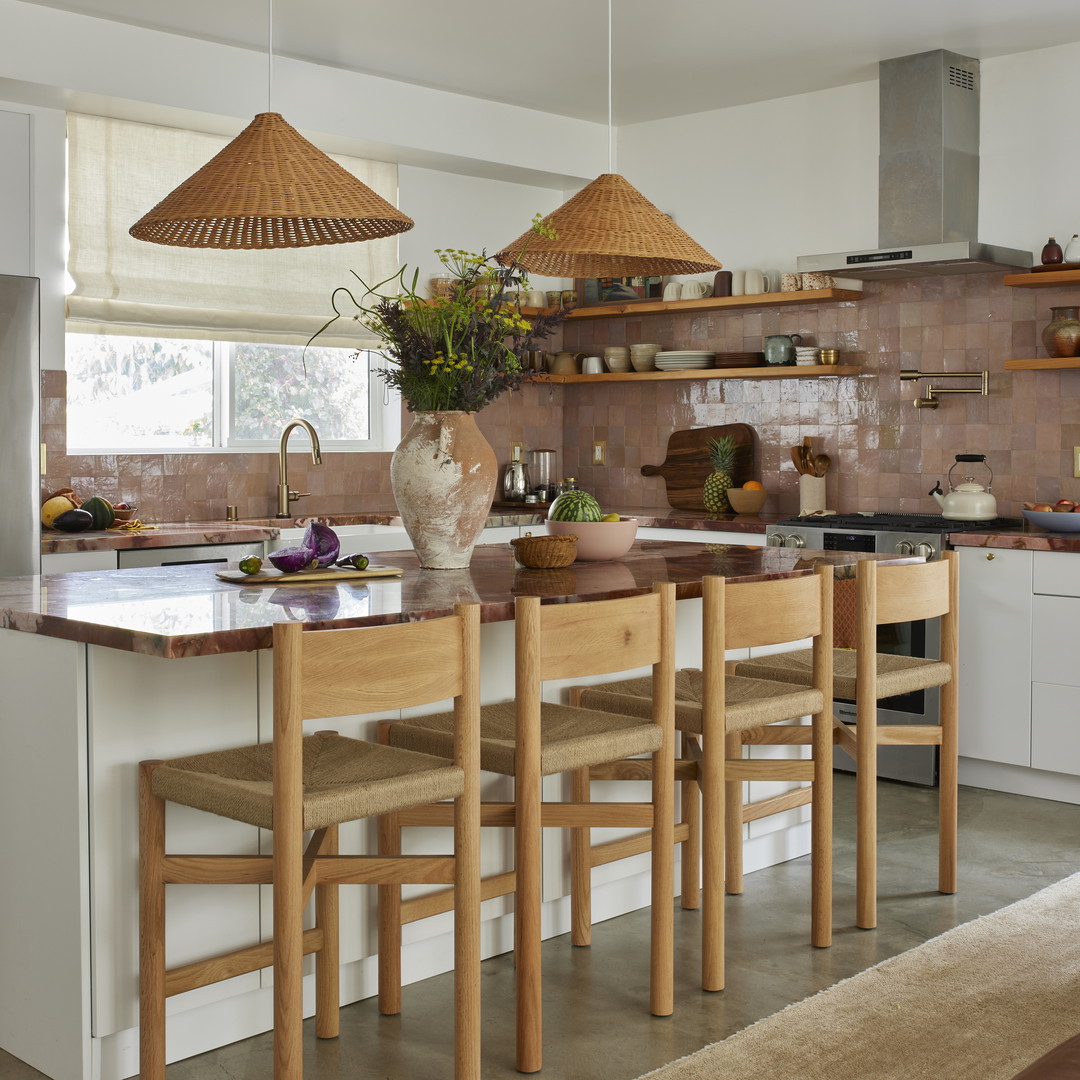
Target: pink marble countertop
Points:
(165, 535)
(179, 611)
(1031, 538)
(177, 534)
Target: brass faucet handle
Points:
(294, 495)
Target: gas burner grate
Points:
(926, 523)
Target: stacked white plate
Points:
(684, 359)
(806, 355)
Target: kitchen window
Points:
(152, 394)
(190, 349)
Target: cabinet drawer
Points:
(1054, 625)
(1055, 728)
(1056, 573)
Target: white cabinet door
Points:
(995, 655)
(15, 199)
(69, 562)
(1055, 728)
(353, 538)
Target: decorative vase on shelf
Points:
(1061, 336)
(443, 475)
(1072, 250)
(1051, 253)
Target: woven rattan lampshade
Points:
(270, 188)
(609, 229)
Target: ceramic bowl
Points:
(598, 541)
(746, 500)
(1054, 521)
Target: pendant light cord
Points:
(610, 128)
(269, 55)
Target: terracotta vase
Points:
(1061, 336)
(443, 475)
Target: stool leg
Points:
(947, 781)
(690, 866)
(580, 865)
(662, 981)
(713, 830)
(733, 822)
(389, 923)
(866, 818)
(821, 827)
(527, 928)
(151, 929)
(327, 977)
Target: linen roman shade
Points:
(117, 170)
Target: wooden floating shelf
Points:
(1047, 363)
(708, 303)
(1049, 280)
(775, 371)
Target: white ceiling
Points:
(670, 56)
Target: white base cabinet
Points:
(1019, 679)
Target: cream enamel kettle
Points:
(968, 501)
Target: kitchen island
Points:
(103, 669)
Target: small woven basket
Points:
(545, 552)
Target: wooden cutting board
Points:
(687, 463)
(271, 576)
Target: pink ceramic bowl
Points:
(598, 541)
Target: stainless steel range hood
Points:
(928, 177)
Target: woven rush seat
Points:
(895, 674)
(749, 702)
(570, 738)
(344, 780)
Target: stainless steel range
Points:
(905, 534)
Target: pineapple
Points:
(722, 455)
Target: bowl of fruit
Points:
(749, 499)
(600, 536)
(1062, 516)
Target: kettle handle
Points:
(936, 489)
(970, 457)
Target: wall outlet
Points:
(599, 453)
(517, 451)
(1076, 461)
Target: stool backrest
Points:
(758, 613)
(358, 670)
(907, 592)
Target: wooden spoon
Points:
(821, 464)
(798, 456)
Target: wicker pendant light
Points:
(608, 229)
(270, 188)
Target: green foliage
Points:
(457, 351)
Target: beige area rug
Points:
(980, 1002)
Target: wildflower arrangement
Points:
(458, 350)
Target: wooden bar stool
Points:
(529, 738)
(886, 595)
(301, 783)
(715, 709)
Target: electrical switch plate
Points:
(599, 453)
(1076, 461)
(517, 451)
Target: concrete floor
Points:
(597, 1025)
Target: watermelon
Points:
(575, 506)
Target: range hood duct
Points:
(928, 177)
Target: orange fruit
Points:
(752, 485)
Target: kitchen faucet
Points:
(284, 495)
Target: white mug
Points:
(756, 282)
(592, 365)
(695, 290)
(673, 290)
(536, 298)
(789, 282)
(738, 282)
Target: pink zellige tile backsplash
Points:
(886, 453)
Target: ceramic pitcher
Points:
(780, 348)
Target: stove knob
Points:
(794, 540)
(926, 550)
(904, 547)
(774, 540)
